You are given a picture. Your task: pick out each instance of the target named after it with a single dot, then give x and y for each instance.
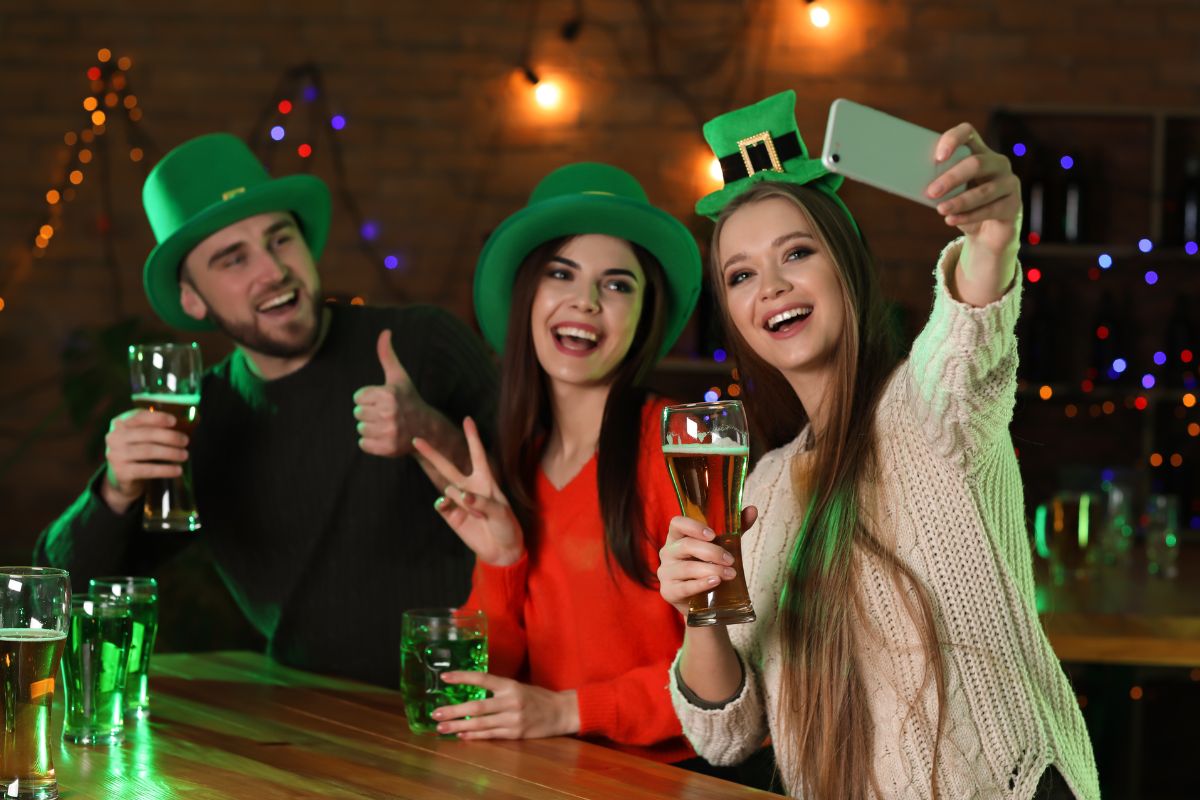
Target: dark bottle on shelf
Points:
(1073, 201)
(1034, 182)
(1180, 336)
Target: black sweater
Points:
(322, 545)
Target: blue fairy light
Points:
(1018, 149)
(277, 133)
(1147, 381)
(710, 396)
(1108, 475)
(1067, 162)
(719, 355)
(1145, 245)
(391, 262)
(1105, 261)
(1160, 358)
(338, 122)
(1119, 365)
(1151, 277)
(369, 230)
(1191, 248)
(310, 93)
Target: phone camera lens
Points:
(836, 158)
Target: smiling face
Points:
(257, 282)
(586, 308)
(781, 287)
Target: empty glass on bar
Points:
(433, 641)
(35, 610)
(95, 666)
(142, 596)
(166, 378)
(707, 446)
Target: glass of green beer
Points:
(166, 378)
(433, 641)
(142, 596)
(95, 667)
(35, 611)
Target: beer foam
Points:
(27, 634)
(706, 449)
(167, 399)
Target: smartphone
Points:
(886, 152)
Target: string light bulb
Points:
(714, 169)
(818, 15)
(548, 94)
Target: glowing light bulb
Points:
(714, 169)
(548, 94)
(90, 104)
(818, 15)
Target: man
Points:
(310, 497)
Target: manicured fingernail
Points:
(709, 534)
(441, 501)
(935, 189)
(728, 573)
(727, 558)
(444, 727)
(437, 714)
(714, 579)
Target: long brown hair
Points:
(525, 416)
(824, 709)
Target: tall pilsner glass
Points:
(707, 446)
(166, 377)
(35, 612)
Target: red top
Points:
(567, 617)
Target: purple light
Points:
(338, 122)
(1108, 475)
(1194, 522)
(1145, 245)
(1112, 374)
(719, 355)
(1119, 365)
(1191, 248)
(1151, 277)
(1018, 149)
(1147, 381)
(1105, 261)
(310, 93)
(1067, 162)
(710, 396)
(391, 262)
(1160, 358)
(369, 230)
(277, 133)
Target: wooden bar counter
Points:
(236, 725)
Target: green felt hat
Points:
(580, 199)
(762, 143)
(207, 184)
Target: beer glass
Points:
(707, 447)
(141, 594)
(95, 667)
(1063, 532)
(433, 641)
(1162, 535)
(35, 610)
(166, 377)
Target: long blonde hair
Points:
(823, 709)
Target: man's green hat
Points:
(580, 199)
(762, 143)
(207, 184)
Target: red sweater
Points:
(561, 619)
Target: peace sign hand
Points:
(474, 506)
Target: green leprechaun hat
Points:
(204, 185)
(762, 143)
(580, 199)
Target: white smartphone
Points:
(886, 152)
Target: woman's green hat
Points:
(762, 143)
(207, 184)
(581, 199)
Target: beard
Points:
(299, 336)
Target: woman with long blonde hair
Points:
(897, 651)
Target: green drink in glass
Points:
(437, 640)
(142, 596)
(95, 665)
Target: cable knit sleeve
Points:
(500, 592)
(962, 371)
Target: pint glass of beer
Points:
(166, 377)
(141, 594)
(707, 447)
(35, 612)
(433, 641)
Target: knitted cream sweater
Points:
(949, 497)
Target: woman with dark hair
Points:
(897, 651)
(582, 291)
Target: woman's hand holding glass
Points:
(474, 506)
(690, 563)
(514, 711)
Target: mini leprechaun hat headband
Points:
(760, 143)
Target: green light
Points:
(1039, 533)
(1172, 540)
(1085, 502)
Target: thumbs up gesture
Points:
(391, 414)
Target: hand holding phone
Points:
(886, 152)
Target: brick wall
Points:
(442, 141)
